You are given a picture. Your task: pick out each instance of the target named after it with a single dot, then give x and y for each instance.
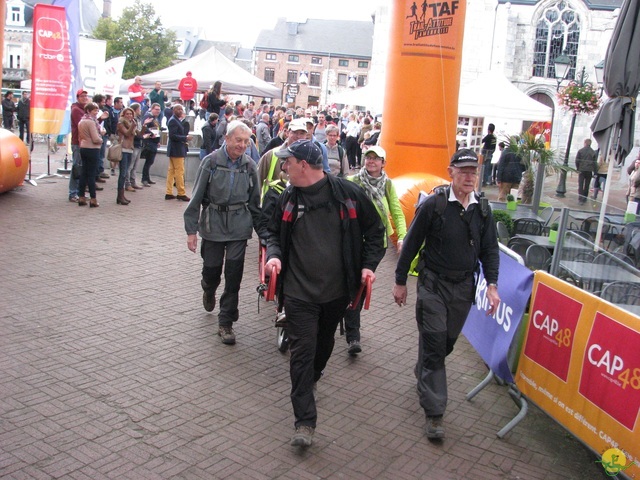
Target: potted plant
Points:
(504, 217)
(553, 233)
(511, 202)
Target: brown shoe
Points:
(93, 203)
(82, 201)
(136, 186)
(130, 189)
(184, 198)
(169, 197)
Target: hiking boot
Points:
(354, 348)
(227, 334)
(303, 436)
(435, 429)
(208, 296)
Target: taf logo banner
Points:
(51, 69)
(581, 365)
(433, 24)
(492, 336)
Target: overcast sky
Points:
(242, 20)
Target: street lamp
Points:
(600, 75)
(561, 189)
(562, 65)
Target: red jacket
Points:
(188, 87)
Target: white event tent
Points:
(490, 96)
(500, 102)
(207, 68)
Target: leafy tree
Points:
(139, 36)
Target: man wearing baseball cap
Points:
(457, 233)
(269, 165)
(335, 246)
(77, 112)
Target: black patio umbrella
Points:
(615, 122)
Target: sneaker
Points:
(74, 199)
(227, 335)
(435, 429)
(104, 175)
(354, 348)
(303, 436)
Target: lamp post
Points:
(561, 189)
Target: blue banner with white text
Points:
(491, 336)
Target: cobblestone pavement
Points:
(111, 368)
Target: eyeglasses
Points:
(467, 173)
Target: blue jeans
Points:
(103, 151)
(124, 167)
(76, 160)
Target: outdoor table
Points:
(595, 274)
(581, 216)
(569, 242)
(521, 212)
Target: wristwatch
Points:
(493, 285)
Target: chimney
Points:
(106, 9)
(292, 28)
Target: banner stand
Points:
(48, 174)
(513, 391)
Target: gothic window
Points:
(557, 32)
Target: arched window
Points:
(557, 32)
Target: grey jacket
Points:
(587, 160)
(231, 207)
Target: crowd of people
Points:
(319, 188)
(311, 183)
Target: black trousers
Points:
(584, 180)
(311, 328)
(351, 146)
(231, 255)
(441, 310)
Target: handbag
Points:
(148, 150)
(76, 170)
(114, 152)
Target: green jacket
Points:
(393, 214)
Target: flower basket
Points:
(579, 99)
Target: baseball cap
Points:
(308, 120)
(464, 158)
(289, 112)
(80, 92)
(303, 150)
(379, 151)
(298, 124)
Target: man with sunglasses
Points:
(457, 234)
(325, 239)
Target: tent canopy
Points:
(493, 96)
(207, 68)
(370, 96)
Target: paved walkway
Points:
(111, 368)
